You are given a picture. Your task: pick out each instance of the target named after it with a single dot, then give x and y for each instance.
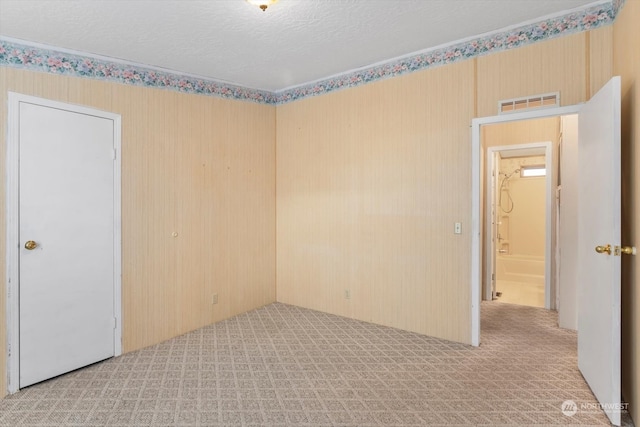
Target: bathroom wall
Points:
(522, 211)
(568, 231)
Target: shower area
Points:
(519, 228)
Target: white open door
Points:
(599, 226)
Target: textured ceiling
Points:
(293, 43)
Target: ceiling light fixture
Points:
(262, 4)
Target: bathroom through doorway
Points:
(519, 204)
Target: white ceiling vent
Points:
(529, 103)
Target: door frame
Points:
(476, 185)
(13, 226)
(549, 299)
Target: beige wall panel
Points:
(202, 167)
(600, 58)
(91, 92)
(550, 66)
(148, 201)
(520, 132)
(251, 222)
(315, 198)
(627, 64)
(370, 182)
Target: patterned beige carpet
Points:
(283, 365)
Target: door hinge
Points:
(114, 154)
(493, 277)
(115, 323)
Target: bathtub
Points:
(520, 268)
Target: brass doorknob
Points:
(604, 249)
(30, 245)
(628, 250)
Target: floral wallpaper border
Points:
(584, 20)
(19, 55)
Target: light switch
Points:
(457, 228)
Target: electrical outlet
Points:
(457, 228)
(347, 294)
(214, 299)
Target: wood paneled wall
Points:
(600, 58)
(626, 54)
(198, 166)
(551, 66)
(370, 182)
(521, 132)
(576, 66)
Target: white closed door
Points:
(599, 222)
(66, 240)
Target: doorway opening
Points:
(508, 134)
(518, 228)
